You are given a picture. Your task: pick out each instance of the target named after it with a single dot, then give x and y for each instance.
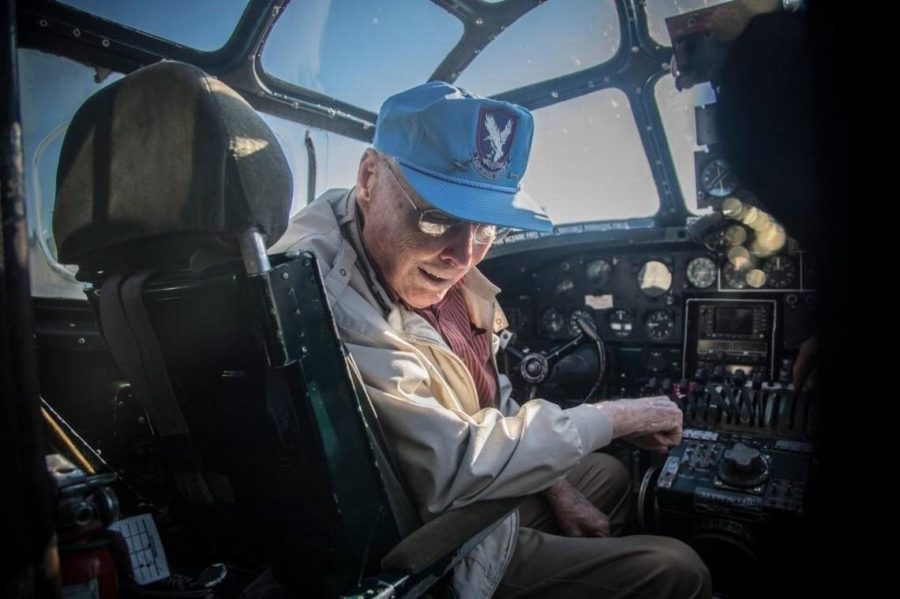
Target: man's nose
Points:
(459, 245)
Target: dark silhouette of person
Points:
(797, 114)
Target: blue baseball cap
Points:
(464, 155)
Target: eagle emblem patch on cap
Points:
(496, 130)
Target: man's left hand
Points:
(576, 515)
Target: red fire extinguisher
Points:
(85, 507)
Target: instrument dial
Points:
(659, 325)
(654, 278)
(717, 179)
(734, 278)
(701, 272)
(565, 286)
(598, 272)
(781, 272)
(552, 321)
(573, 320)
(621, 322)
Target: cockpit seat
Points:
(170, 187)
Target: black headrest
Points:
(163, 163)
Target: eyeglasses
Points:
(435, 223)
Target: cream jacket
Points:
(450, 452)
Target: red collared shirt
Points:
(472, 345)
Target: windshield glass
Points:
(587, 162)
(549, 41)
(52, 89)
(677, 109)
(359, 52)
(173, 20)
(563, 59)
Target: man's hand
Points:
(576, 516)
(649, 422)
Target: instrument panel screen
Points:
(734, 321)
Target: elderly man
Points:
(398, 254)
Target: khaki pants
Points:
(640, 566)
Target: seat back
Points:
(170, 187)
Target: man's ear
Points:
(366, 178)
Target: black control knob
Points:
(785, 374)
(743, 458)
(745, 413)
(756, 381)
(743, 466)
(729, 406)
(534, 368)
(700, 403)
(718, 374)
(746, 406)
(701, 376)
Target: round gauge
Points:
(659, 325)
(565, 286)
(654, 278)
(621, 322)
(701, 272)
(732, 208)
(717, 180)
(781, 272)
(573, 324)
(552, 321)
(739, 257)
(755, 278)
(735, 235)
(598, 272)
(734, 278)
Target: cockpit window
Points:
(677, 109)
(359, 52)
(587, 162)
(659, 10)
(52, 88)
(174, 20)
(551, 40)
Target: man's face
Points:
(419, 268)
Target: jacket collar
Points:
(346, 213)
